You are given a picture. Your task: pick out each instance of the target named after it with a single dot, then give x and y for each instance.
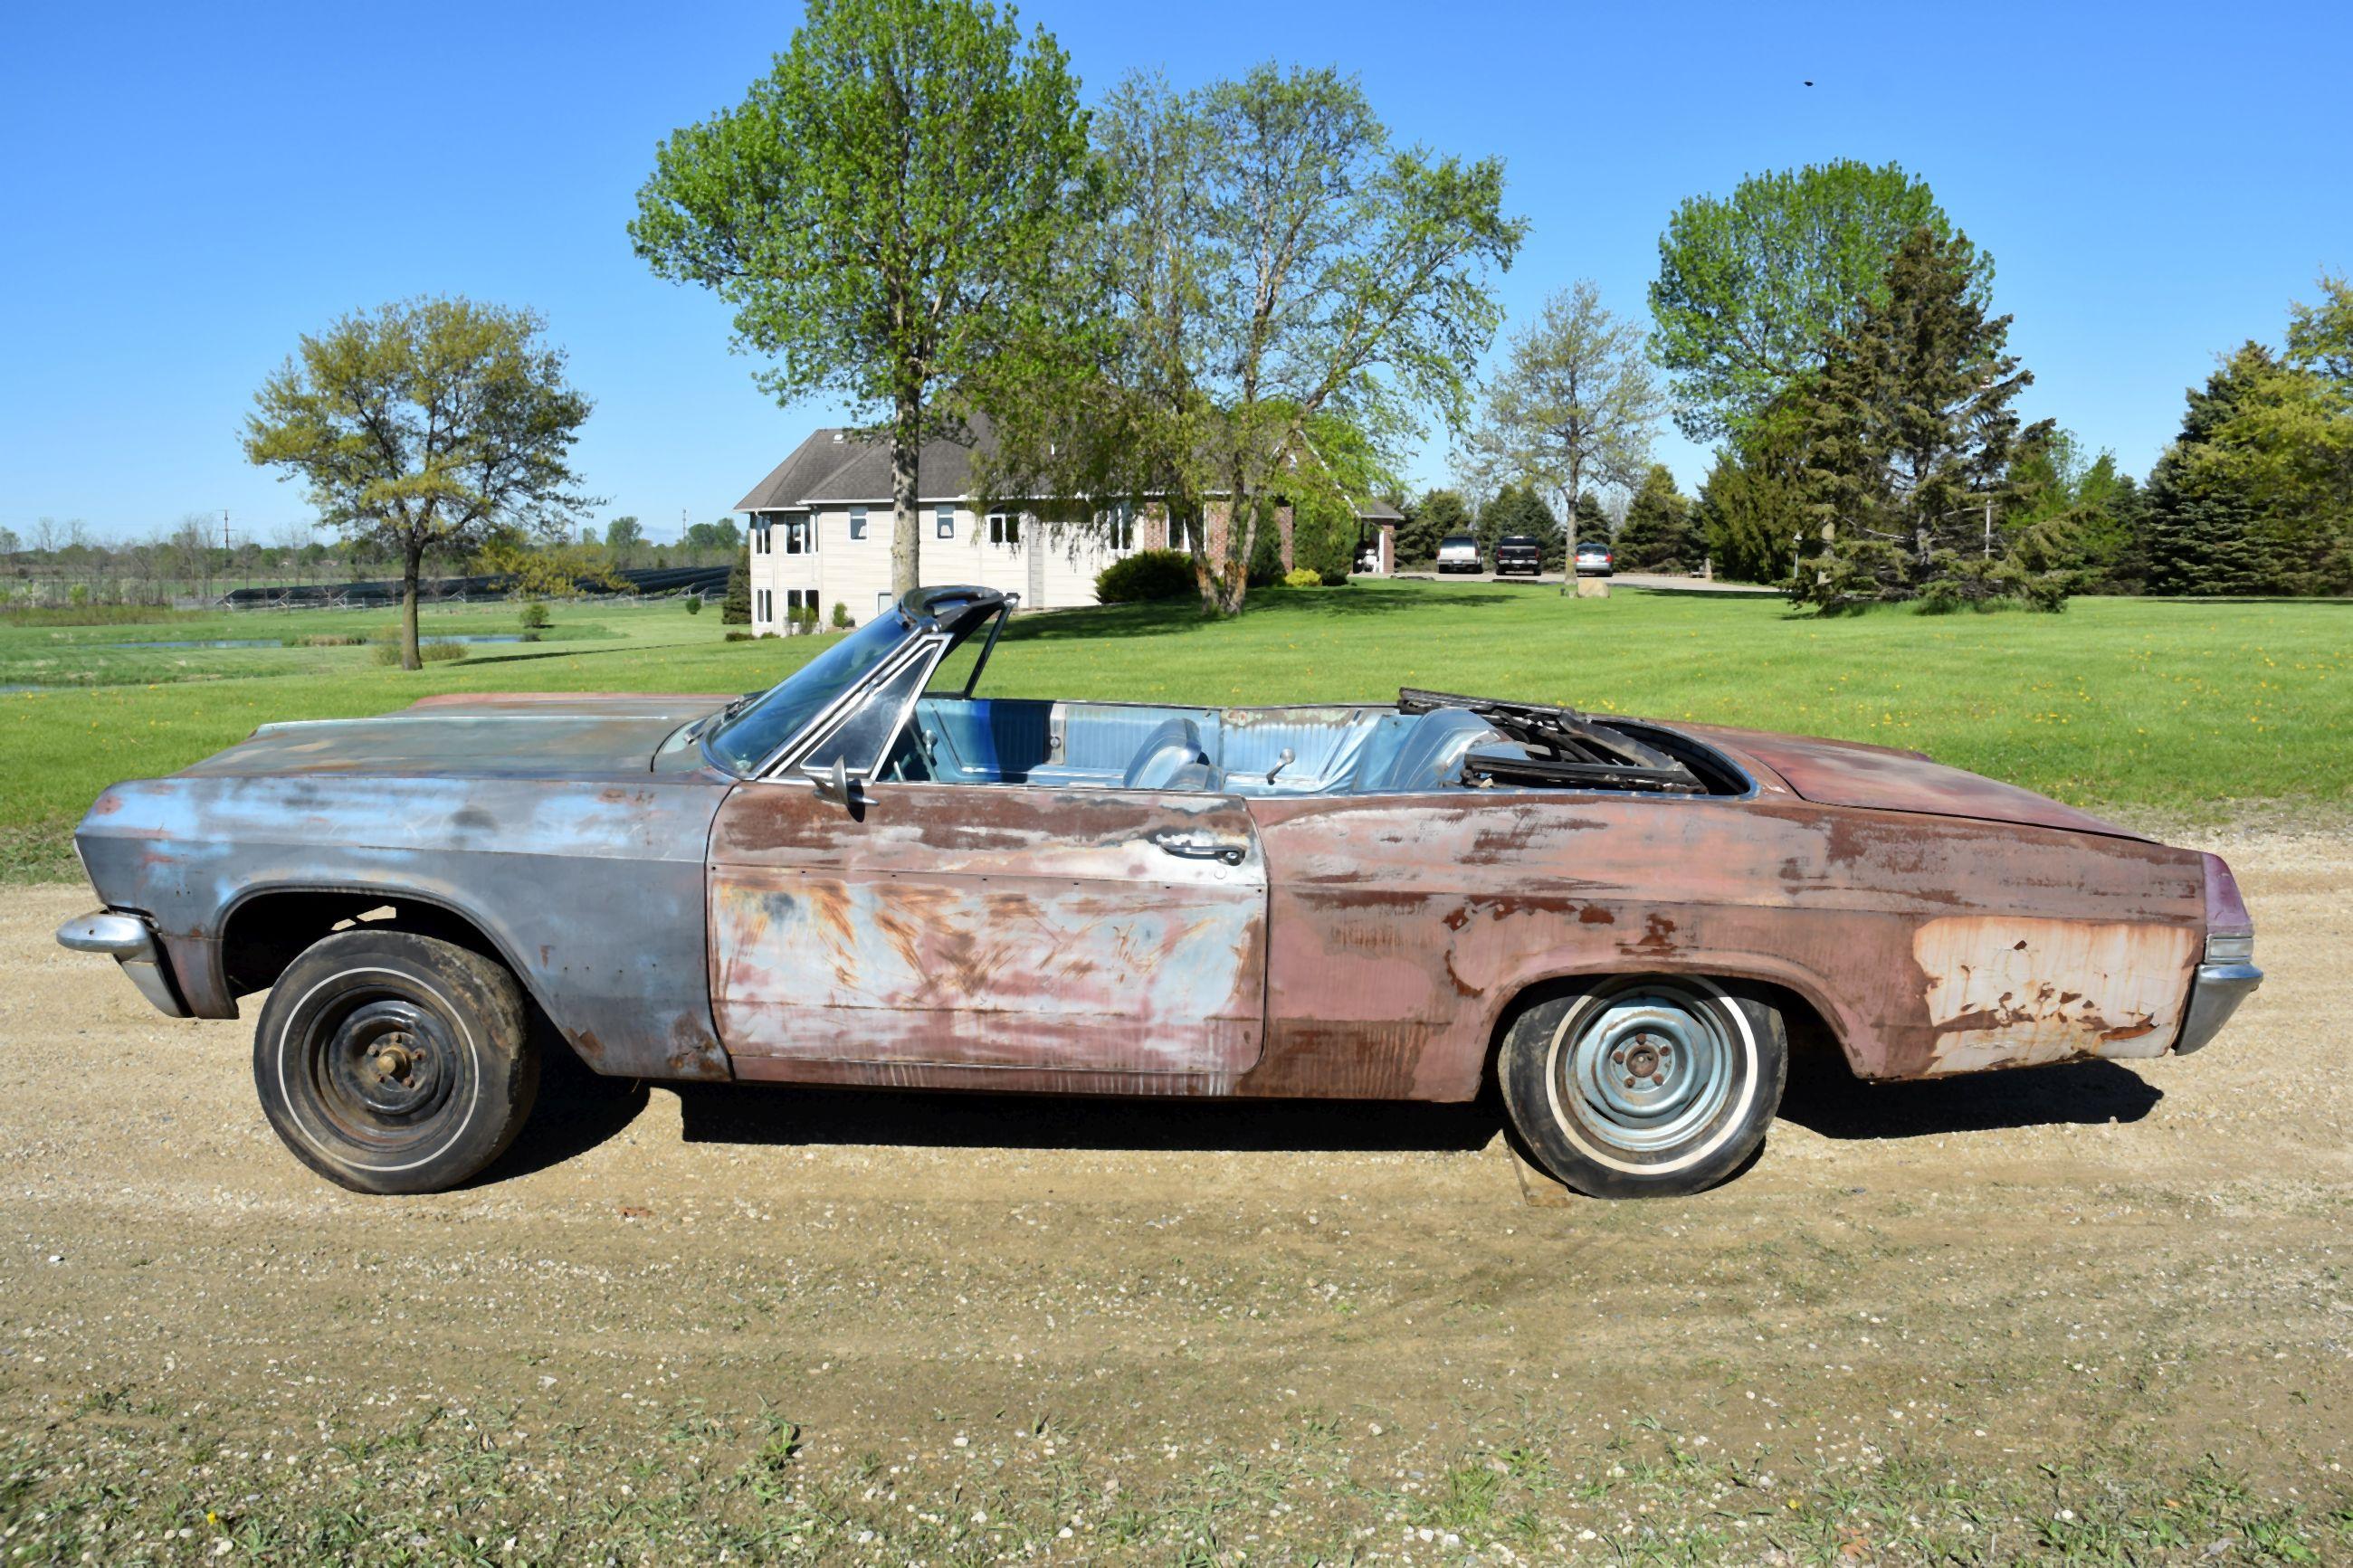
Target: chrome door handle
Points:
(1200, 846)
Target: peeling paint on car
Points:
(2013, 991)
(954, 925)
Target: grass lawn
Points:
(2160, 709)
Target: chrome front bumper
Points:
(129, 942)
(2214, 995)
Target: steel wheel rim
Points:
(1671, 1042)
(382, 1067)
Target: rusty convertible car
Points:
(869, 875)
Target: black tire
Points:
(1708, 1064)
(390, 1062)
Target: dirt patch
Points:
(2078, 1309)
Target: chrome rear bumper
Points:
(129, 942)
(2214, 995)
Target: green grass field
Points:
(2154, 708)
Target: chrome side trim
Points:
(2214, 995)
(129, 942)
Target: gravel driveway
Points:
(1933, 1317)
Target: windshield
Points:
(745, 740)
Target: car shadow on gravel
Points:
(575, 1110)
(738, 1113)
(1824, 1098)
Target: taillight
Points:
(2229, 930)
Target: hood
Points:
(1881, 778)
(496, 735)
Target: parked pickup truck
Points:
(1459, 553)
(1518, 553)
(868, 875)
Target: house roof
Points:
(834, 467)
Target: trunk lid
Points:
(1881, 778)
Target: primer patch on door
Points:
(2010, 991)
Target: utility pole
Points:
(1989, 539)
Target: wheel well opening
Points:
(1814, 1044)
(267, 933)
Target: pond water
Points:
(279, 642)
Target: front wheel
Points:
(390, 1062)
(1644, 1086)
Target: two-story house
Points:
(820, 535)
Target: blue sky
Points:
(188, 188)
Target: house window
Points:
(759, 536)
(858, 523)
(946, 516)
(1180, 533)
(800, 536)
(1004, 527)
(767, 606)
(1120, 521)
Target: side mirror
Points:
(833, 784)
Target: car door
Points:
(928, 930)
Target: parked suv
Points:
(1459, 553)
(1518, 553)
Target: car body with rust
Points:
(870, 874)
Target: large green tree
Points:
(425, 426)
(1909, 437)
(1576, 406)
(881, 210)
(1659, 533)
(2242, 502)
(1273, 265)
(2285, 442)
(1754, 285)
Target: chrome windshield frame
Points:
(923, 639)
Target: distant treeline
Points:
(60, 563)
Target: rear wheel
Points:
(394, 1063)
(1644, 1086)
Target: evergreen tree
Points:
(1909, 439)
(1434, 517)
(2203, 525)
(1324, 538)
(1659, 533)
(1592, 523)
(1752, 512)
(735, 610)
(1266, 565)
(2285, 447)
(1519, 509)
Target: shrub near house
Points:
(1147, 575)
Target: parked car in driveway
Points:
(1516, 552)
(1459, 553)
(1593, 559)
(870, 873)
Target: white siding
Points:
(857, 572)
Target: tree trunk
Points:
(906, 455)
(411, 559)
(1230, 575)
